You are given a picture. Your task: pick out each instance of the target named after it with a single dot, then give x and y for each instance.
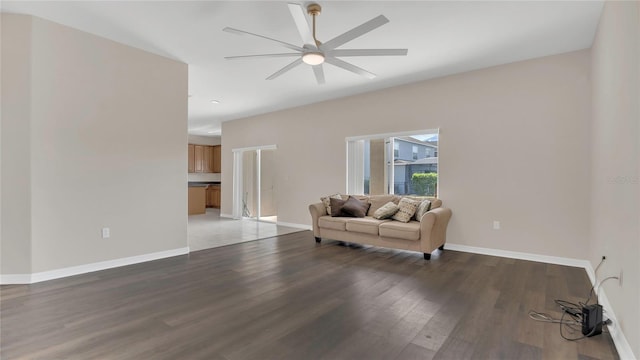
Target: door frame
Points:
(238, 177)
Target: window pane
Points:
(416, 165)
(401, 164)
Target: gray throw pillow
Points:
(386, 211)
(355, 207)
(336, 207)
(423, 208)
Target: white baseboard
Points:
(87, 268)
(228, 216)
(15, 279)
(293, 225)
(520, 255)
(620, 341)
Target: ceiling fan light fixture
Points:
(313, 58)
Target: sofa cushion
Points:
(355, 207)
(407, 208)
(386, 211)
(377, 201)
(364, 198)
(423, 208)
(327, 204)
(419, 197)
(367, 225)
(333, 223)
(435, 203)
(400, 230)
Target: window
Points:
(382, 164)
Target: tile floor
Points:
(210, 230)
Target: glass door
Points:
(267, 169)
(254, 190)
(250, 184)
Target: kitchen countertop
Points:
(203, 183)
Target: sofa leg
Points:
(318, 239)
(441, 247)
(427, 256)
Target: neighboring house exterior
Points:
(412, 156)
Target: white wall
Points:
(513, 147)
(106, 147)
(615, 142)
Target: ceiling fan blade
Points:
(285, 69)
(319, 72)
(349, 67)
(242, 32)
(355, 32)
(261, 56)
(302, 24)
(368, 52)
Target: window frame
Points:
(353, 167)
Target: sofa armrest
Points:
(433, 229)
(316, 211)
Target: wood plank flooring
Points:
(290, 298)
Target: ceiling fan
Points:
(314, 52)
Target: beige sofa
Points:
(425, 236)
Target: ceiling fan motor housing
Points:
(314, 9)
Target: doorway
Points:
(254, 191)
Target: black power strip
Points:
(591, 320)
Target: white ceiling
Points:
(443, 37)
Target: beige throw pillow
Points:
(327, 203)
(407, 208)
(386, 211)
(377, 201)
(423, 208)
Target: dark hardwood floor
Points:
(290, 298)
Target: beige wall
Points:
(513, 147)
(15, 235)
(106, 147)
(615, 140)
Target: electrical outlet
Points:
(106, 233)
(496, 225)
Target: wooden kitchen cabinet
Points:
(216, 161)
(199, 158)
(213, 196)
(207, 162)
(192, 158)
(204, 158)
(197, 200)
